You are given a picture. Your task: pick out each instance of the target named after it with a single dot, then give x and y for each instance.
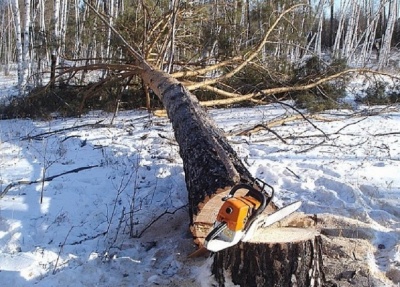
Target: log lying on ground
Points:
(210, 165)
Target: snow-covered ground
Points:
(120, 217)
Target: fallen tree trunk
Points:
(209, 162)
(211, 168)
(211, 165)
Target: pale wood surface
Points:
(283, 235)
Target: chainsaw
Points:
(240, 216)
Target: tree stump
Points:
(274, 257)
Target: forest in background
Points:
(295, 42)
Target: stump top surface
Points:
(283, 235)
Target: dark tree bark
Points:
(53, 71)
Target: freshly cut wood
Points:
(283, 235)
(284, 256)
(204, 220)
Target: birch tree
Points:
(110, 4)
(384, 52)
(27, 40)
(64, 13)
(350, 38)
(41, 41)
(6, 37)
(174, 7)
(367, 38)
(318, 36)
(18, 43)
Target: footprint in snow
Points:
(344, 192)
(317, 167)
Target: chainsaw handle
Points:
(259, 195)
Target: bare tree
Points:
(350, 38)
(27, 40)
(387, 36)
(18, 41)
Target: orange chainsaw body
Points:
(236, 210)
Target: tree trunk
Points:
(26, 41)
(384, 52)
(209, 161)
(18, 40)
(55, 42)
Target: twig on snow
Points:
(292, 172)
(61, 248)
(157, 218)
(49, 178)
(386, 134)
(47, 134)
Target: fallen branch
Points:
(259, 127)
(311, 148)
(92, 237)
(350, 124)
(275, 123)
(234, 98)
(47, 134)
(386, 134)
(50, 178)
(292, 172)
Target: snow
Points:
(123, 221)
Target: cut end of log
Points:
(208, 210)
(160, 113)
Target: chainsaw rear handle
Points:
(260, 195)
